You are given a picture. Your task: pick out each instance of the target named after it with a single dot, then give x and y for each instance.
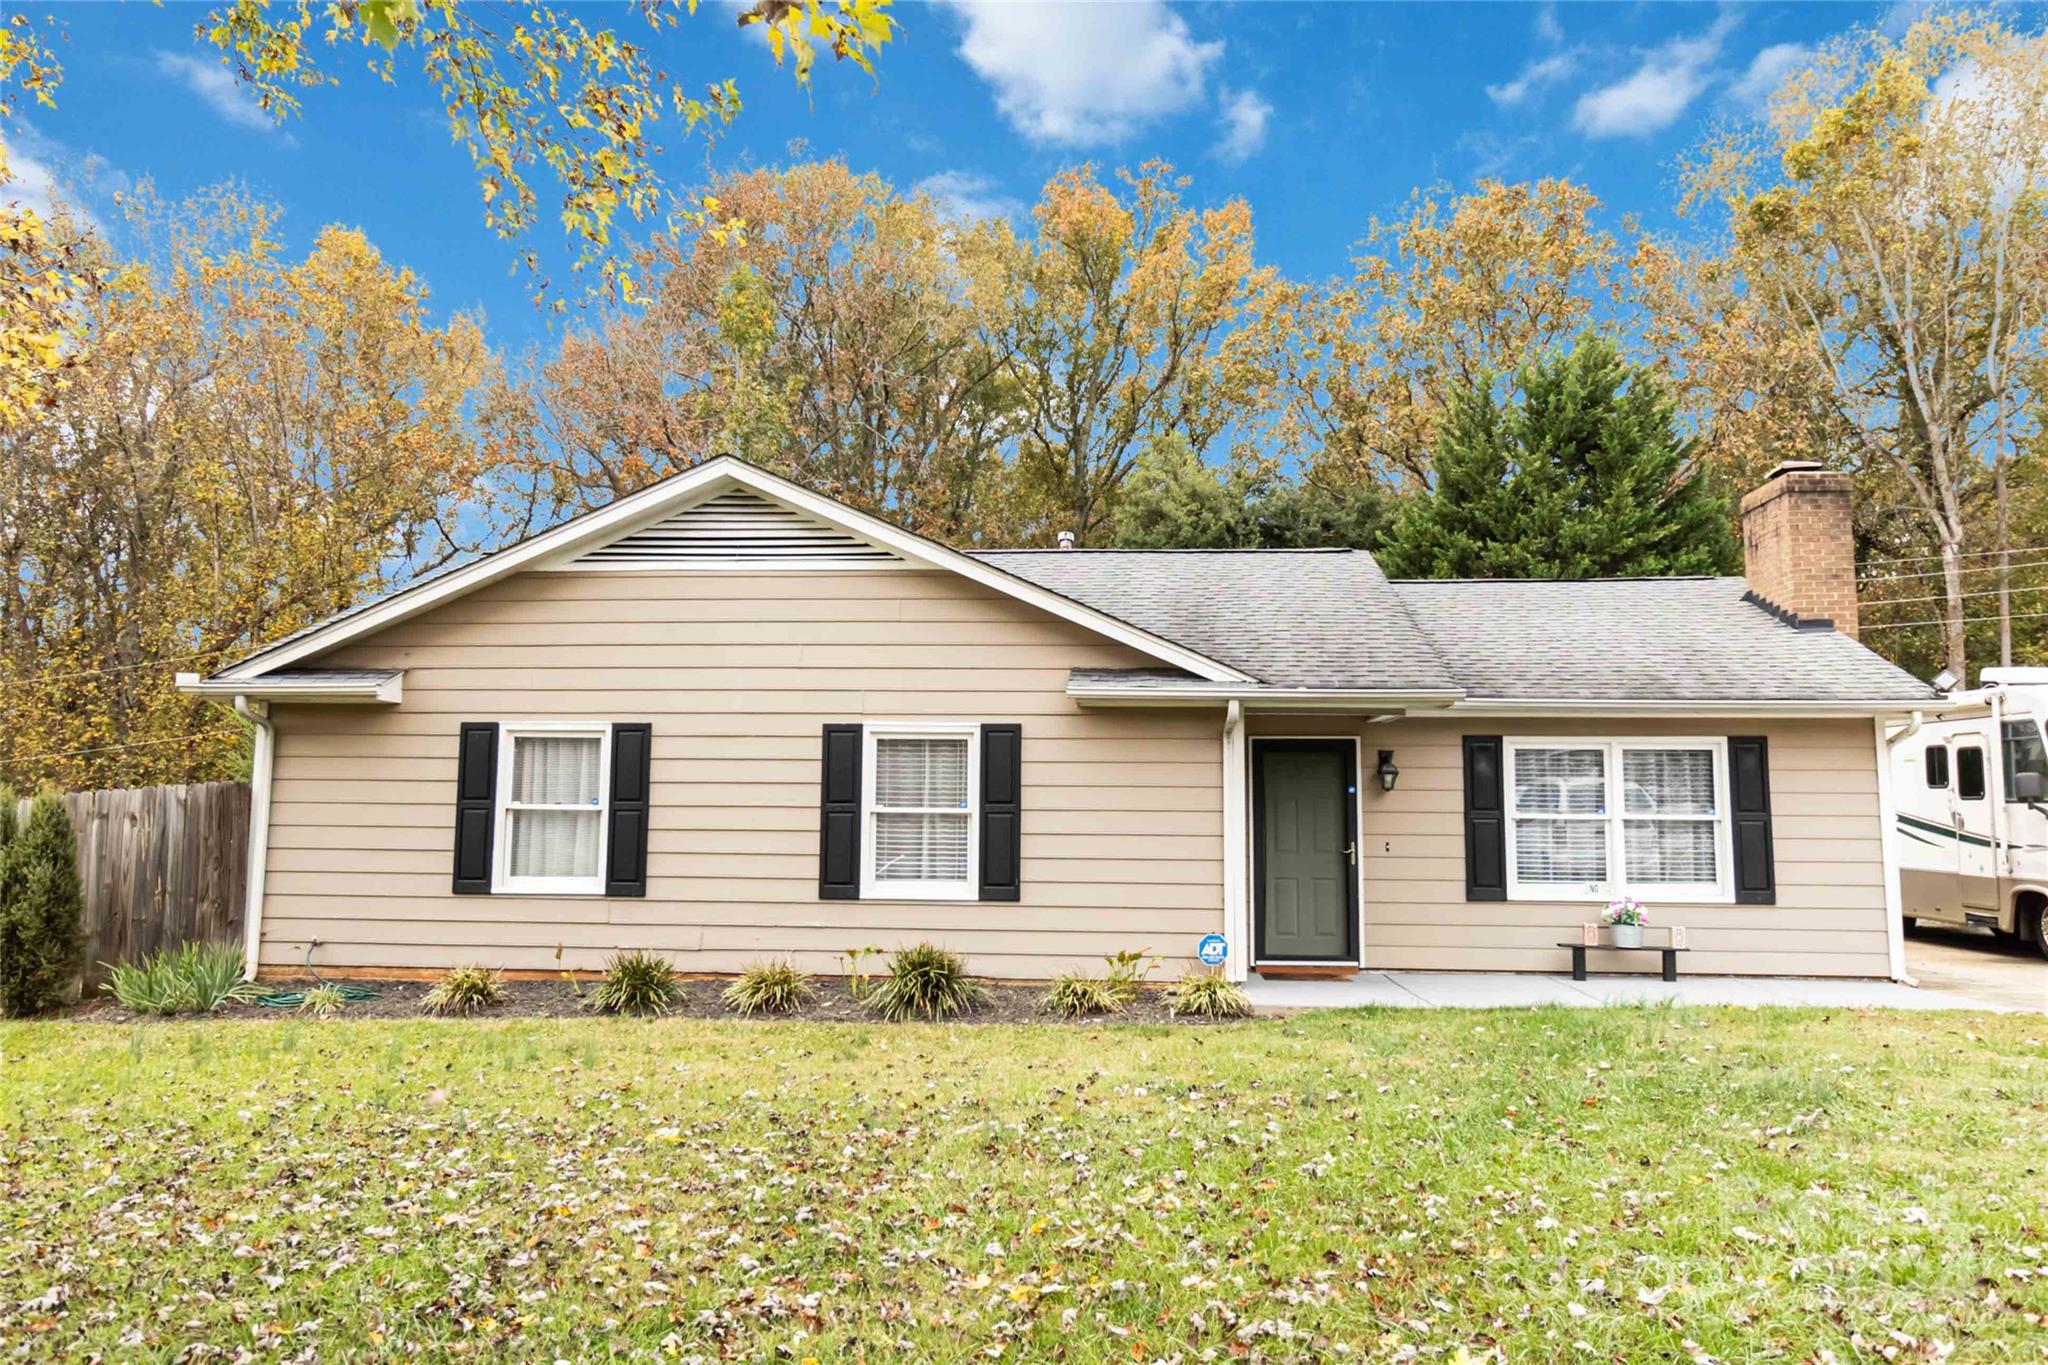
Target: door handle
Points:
(1351, 852)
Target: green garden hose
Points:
(291, 1000)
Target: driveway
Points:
(1978, 964)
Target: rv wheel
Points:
(2039, 926)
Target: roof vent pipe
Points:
(1066, 540)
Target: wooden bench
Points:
(1579, 956)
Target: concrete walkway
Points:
(1484, 990)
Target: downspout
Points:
(258, 715)
(1894, 911)
(1235, 833)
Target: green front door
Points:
(1303, 838)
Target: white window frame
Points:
(873, 887)
(503, 883)
(1615, 818)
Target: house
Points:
(728, 718)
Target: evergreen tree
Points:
(41, 909)
(1304, 516)
(1586, 477)
(1173, 501)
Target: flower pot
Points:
(1628, 935)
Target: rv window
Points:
(1970, 773)
(1937, 766)
(2023, 753)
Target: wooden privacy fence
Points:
(160, 866)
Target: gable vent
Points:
(739, 528)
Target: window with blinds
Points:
(1611, 817)
(921, 787)
(551, 811)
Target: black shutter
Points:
(625, 843)
(1002, 802)
(476, 797)
(839, 815)
(1486, 830)
(1749, 799)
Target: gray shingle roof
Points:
(1676, 639)
(1290, 618)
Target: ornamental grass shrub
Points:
(924, 981)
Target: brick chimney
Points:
(1797, 550)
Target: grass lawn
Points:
(1600, 1185)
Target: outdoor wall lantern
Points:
(1389, 774)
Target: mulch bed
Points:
(556, 1000)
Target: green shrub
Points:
(636, 983)
(769, 988)
(1207, 995)
(464, 991)
(1127, 973)
(41, 907)
(195, 979)
(924, 982)
(1077, 994)
(323, 1002)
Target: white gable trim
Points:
(651, 504)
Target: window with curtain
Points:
(1594, 819)
(921, 827)
(551, 811)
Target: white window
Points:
(551, 804)
(1593, 819)
(921, 836)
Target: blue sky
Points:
(1321, 115)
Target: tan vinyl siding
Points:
(1829, 919)
(738, 672)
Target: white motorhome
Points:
(1970, 793)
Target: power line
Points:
(110, 748)
(1943, 597)
(1940, 573)
(25, 679)
(1967, 621)
(1966, 554)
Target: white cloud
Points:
(1244, 121)
(34, 182)
(967, 197)
(1767, 70)
(1651, 97)
(1541, 72)
(1082, 74)
(1547, 26)
(216, 88)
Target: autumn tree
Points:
(1585, 475)
(1128, 316)
(539, 86)
(39, 259)
(837, 341)
(1889, 218)
(1461, 286)
(257, 442)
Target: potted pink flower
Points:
(1625, 916)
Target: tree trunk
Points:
(1952, 605)
(2004, 566)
